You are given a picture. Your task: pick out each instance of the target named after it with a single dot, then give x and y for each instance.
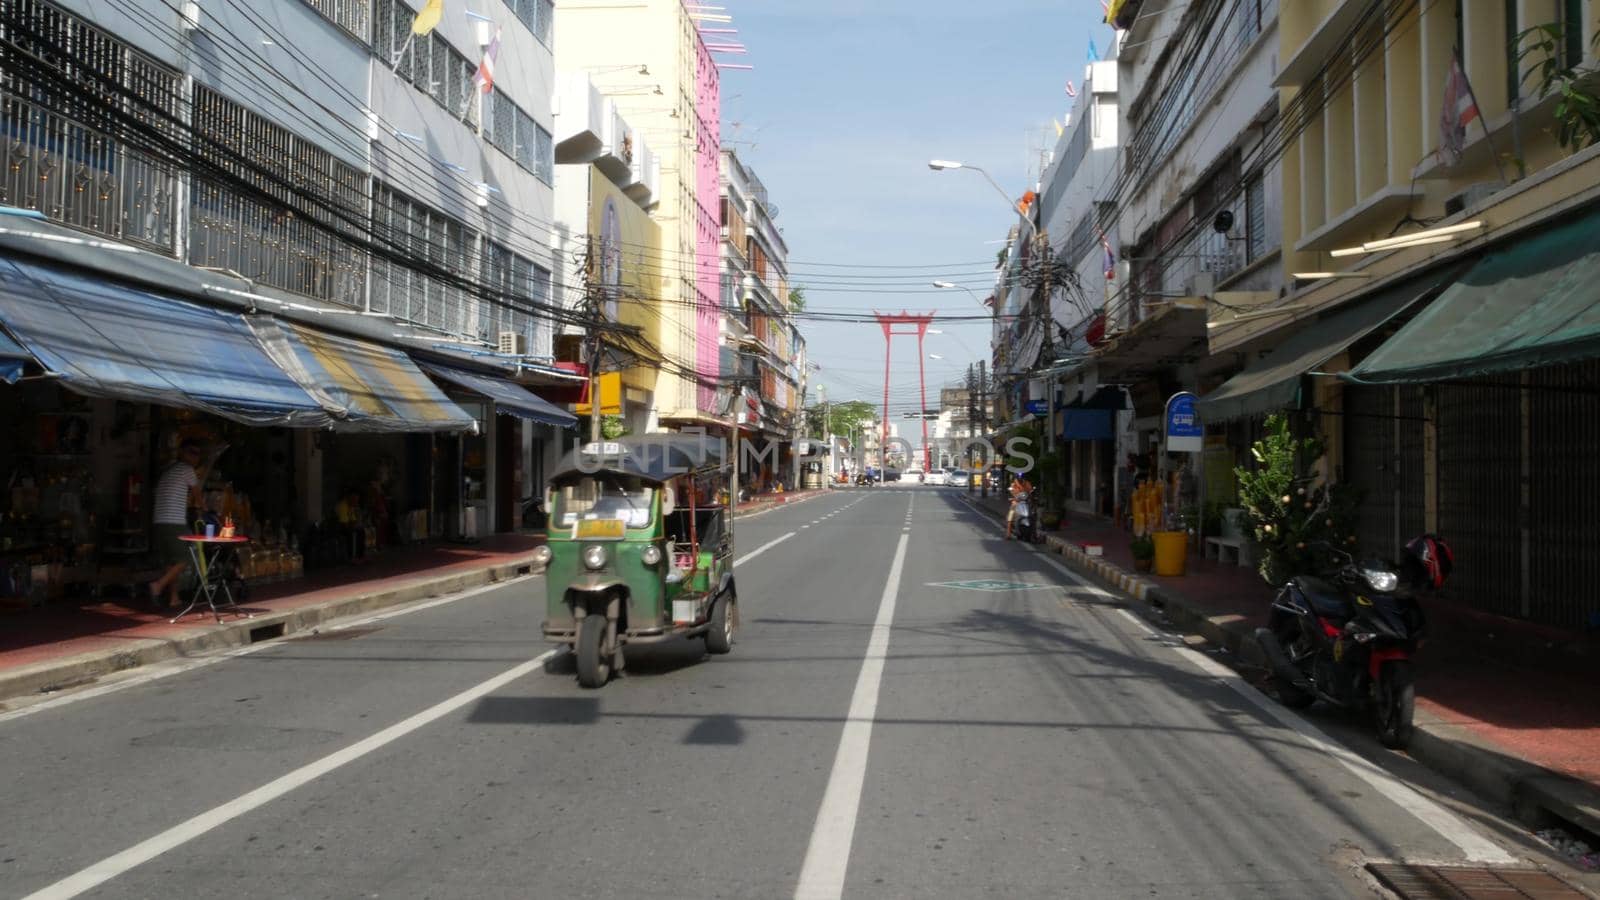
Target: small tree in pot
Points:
(1291, 512)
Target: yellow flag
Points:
(1058, 127)
(430, 15)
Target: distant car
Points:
(913, 474)
(890, 474)
(937, 476)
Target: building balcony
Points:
(1329, 36)
(583, 119)
(590, 129)
(1355, 224)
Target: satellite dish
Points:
(1223, 223)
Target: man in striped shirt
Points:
(177, 492)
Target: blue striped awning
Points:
(365, 386)
(105, 339)
(13, 358)
(508, 397)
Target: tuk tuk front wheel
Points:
(719, 638)
(594, 651)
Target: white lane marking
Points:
(763, 548)
(1450, 826)
(1128, 614)
(1447, 824)
(167, 669)
(176, 836)
(828, 854)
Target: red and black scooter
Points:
(1348, 639)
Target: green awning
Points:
(1534, 303)
(1273, 382)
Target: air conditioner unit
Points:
(513, 344)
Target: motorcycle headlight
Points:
(650, 554)
(541, 555)
(1381, 580)
(594, 556)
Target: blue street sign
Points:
(1184, 431)
(1037, 407)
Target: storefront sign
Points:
(1185, 434)
(1037, 407)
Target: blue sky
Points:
(847, 103)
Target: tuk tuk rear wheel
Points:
(719, 638)
(594, 657)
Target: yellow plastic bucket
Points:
(1172, 549)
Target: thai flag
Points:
(1071, 91)
(1459, 109)
(1111, 260)
(485, 77)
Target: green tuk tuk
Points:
(639, 550)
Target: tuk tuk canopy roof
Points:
(652, 457)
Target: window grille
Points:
(65, 87)
(351, 15)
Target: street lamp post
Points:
(941, 165)
(947, 285)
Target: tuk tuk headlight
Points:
(651, 555)
(541, 555)
(594, 556)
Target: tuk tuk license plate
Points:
(600, 529)
(685, 612)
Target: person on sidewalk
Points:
(177, 493)
(1020, 490)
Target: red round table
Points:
(213, 578)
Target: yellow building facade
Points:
(647, 57)
(1451, 376)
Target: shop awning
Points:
(1092, 416)
(508, 397)
(1172, 334)
(105, 339)
(365, 386)
(13, 359)
(1534, 303)
(1273, 382)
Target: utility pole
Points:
(972, 421)
(593, 301)
(983, 418)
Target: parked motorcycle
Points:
(1348, 639)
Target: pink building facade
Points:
(708, 228)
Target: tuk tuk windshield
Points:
(604, 496)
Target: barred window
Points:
(545, 164)
(294, 230)
(503, 134)
(351, 15)
(1256, 227)
(416, 231)
(538, 15)
(65, 87)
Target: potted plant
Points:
(1291, 511)
(1144, 552)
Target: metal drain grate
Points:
(1472, 883)
(339, 634)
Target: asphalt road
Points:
(914, 708)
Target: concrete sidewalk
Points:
(1518, 727)
(60, 646)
